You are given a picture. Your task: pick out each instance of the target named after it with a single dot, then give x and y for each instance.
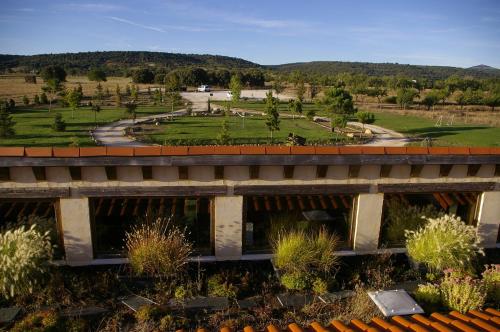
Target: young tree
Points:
(338, 102)
(52, 87)
(59, 124)
(278, 85)
(6, 122)
(26, 100)
(97, 74)
(36, 100)
(96, 109)
(172, 87)
(158, 97)
(223, 138)
(73, 99)
(405, 97)
(55, 73)
(131, 108)
(43, 98)
(118, 96)
(430, 99)
(134, 93)
(301, 90)
(98, 94)
(365, 118)
(272, 119)
(378, 93)
(235, 87)
(127, 90)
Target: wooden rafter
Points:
(99, 206)
(174, 206)
(50, 207)
(440, 200)
(124, 207)
(471, 199)
(313, 204)
(459, 199)
(255, 204)
(25, 206)
(277, 199)
(111, 206)
(333, 201)
(149, 206)
(9, 211)
(301, 203)
(289, 202)
(35, 209)
(136, 207)
(323, 203)
(344, 201)
(162, 206)
(447, 198)
(267, 204)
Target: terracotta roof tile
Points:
(11, 151)
(277, 149)
(395, 150)
(174, 150)
(350, 150)
(302, 150)
(38, 152)
(120, 151)
(373, 150)
(66, 152)
(93, 151)
(147, 151)
(201, 150)
(326, 150)
(252, 149)
(228, 149)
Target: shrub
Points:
(462, 293)
(444, 242)
(59, 124)
(23, 258)
(295, 280)
(46, 320)
(167, 323)
(219, 286)
(147, 313)
(319, 286)
(296, 251)
(428, 294)
(180, 293)
(157, 249)
(401, 217)
(491, 280)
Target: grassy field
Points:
(261, 106)
(458, 134)
(207, 129)
(33, 126)
(14, 86)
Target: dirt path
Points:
(113, 134)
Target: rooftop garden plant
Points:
(24, 254)
(444, 242)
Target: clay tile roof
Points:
(473, 321)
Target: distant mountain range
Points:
(119, 62)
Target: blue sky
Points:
(433, 32)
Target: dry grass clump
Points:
(157, 249)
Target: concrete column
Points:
(228, 227)
(367, 222)
(489, 218)
(75, 222)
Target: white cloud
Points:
(93, 7)
(147, 27)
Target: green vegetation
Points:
(444, 242)
(33, 127)
(458, 134)
(462, 293)
(197, 129)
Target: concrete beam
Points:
(75, 221)
(489, 218)
(228, 227)
(367, 222)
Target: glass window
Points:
(17, 212)
(404, 212)
(265, 216)
(113, 217)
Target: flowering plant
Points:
(23, 257)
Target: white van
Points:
(204, 88)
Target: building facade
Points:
(232, 200)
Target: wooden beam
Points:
(255, 204)
(301, 203)
(162, 206)
(312, 202)
(312, 189)
(35, 209)
(444, 170)
(416, 170)
(470, 199)
(50, 208)
(111, 206)
(219, 172)
(147, 172)
(146, 191)
(440, 200)
(267, 204)
(288, 171)
(323, 203)
(344, 201)
(124, 207)
(438, 187)
(99, 206)
(459, 199)
(278, 203)
(473, 169)
(385, 171)
(9, 211)
(34, 192)
(39, 172)
(447, 199)
(235, 160)
(111, 173)
(21, 213)
(333, 201)
(183, 172)
(136, 207)
(149, 206)
(354, 171)
(321, 171)
(4, 174)
(75, 172)
(289, 203)
(253, 171)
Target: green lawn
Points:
(33, 126)
(204, 130)
(261, 105)
(458, 134)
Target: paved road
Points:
(113, 134)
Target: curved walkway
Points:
(113, 134)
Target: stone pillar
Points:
(228, 227)
(75, 224)
(489, 218)
(367, 222)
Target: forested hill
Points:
(115, 62)
(385, 69)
